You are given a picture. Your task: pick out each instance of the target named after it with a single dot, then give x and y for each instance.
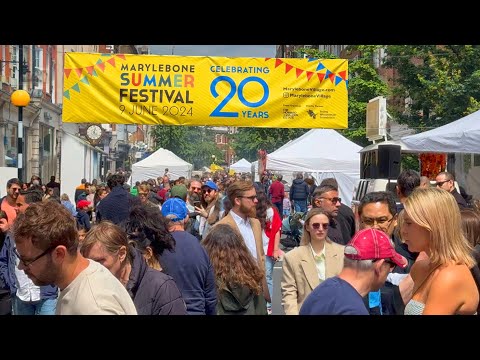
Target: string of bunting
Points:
(90, 70)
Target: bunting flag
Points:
(205, 91)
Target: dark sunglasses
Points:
(440, 183)
(27, 263)
(253, 197)
(316, 226)
(334, 200)
(207, 191)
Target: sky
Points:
(215, 50)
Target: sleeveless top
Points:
(414, 307)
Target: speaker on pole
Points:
(389, 159)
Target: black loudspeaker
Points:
(389, 158)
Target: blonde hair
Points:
(436, 210)
(306, 238)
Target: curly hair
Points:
(232, 262)
(145, 226)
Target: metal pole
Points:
(20, 116)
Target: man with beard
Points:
(9, 202)
(242, 218)
(326, 198)
(46, 242)
(209, 209)
(27, 298)
(194, 196)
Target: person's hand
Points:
(201, 211)
(4, 225)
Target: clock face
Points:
(94, 132)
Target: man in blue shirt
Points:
(369, 258)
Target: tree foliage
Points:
(195, 144)
(442, 83)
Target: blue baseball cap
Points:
(211, 185)
(175, 209)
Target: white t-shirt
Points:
(95, 291)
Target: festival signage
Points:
(200, 90)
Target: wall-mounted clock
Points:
(94, 133)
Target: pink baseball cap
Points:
(371, 244)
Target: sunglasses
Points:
(334, 200)
(316, 226)
(388, 261)
(207, 191)
(440, 183)
(253, 197)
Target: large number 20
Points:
(217, 112)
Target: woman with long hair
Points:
(443, 283)
(237, 274)
(306, 266)
(271, 224)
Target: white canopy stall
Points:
(154, 166)
(241, 166)
(460, 136)
(323, 153)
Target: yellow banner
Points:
(200, 90)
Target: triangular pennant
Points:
(327, 73)
(346, 84)
(90, 69)
(311, 59)
(320, 66)
(343, 74)
(331, 76)
(94, 73)
(111, 61)
(288, 68)
(79, 71)
(338, 79)
(66, 94)
(299, 72)
(85, 80)
(266, 59)
(76, 87)
(99, 61)
(278, 62)
(321, 76)
(121, 56)
(101, 66)
(309, 75)
(106, 54)
(67, 72)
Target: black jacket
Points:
(240, 300)
(153, 292)
(299, 190)
(115, 207)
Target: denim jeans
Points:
(269, 264)
(42, 307)
(300, 205)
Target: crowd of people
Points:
(208, 245)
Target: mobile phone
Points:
(197, 203)
(3, 215)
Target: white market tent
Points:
(154, 166)
(460, 136)
(323, 153)
(241, 166)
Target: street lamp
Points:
(20, 98)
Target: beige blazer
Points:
(257, 232)
(300, 275)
